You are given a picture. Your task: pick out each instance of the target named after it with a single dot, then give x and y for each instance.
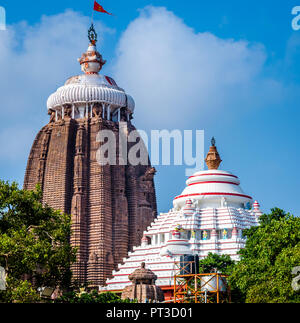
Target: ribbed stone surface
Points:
(111, 206)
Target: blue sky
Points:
(228, 67)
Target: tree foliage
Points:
(90, 298)
(214, 262)
(264, 274)
(34, 244)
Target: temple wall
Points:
(31, 175)
(58, 173)
(111, 206)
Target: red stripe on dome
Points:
(213, 182)
(213, 174)
(203, 194)
(110, 81)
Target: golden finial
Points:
(213, 159)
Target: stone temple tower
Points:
(111, 205)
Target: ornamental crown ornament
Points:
(91, 61)
(213, 141)
(99, 94)
(93, 37)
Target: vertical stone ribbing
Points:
(100, 210)
(58, 179)
(119, 209)
(33, 164)
(111, 206)
(132, 198)
(79, 214)
(43, 156)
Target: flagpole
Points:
(93, 14)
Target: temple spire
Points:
(213, 159)
(213, 142)
(91, 61)
(93, 37)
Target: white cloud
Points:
(178, 76)
(34, 62)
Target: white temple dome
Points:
(91, 87)
(213, 187)
(210, 216)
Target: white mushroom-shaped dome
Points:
(91, 87)
(213, 187)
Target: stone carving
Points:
(51, 113)
(143, 288)
(149, 175)
(68, 112)
(123, 115)
(97, 111)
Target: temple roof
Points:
(208, 217)
(91, 87)
(142, 274)
(213, 187)
(213, 159)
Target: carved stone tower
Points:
(111, 205)
(143, 288)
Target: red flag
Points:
(99, 8)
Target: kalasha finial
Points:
(213, 159)
(213, 142)
(93, 37)
(91, 61)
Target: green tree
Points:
(264, 274)
(218, 263)
(214, 262)
(276, 214)
(34, 244)
(90, 298)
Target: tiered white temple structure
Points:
(208, 217)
